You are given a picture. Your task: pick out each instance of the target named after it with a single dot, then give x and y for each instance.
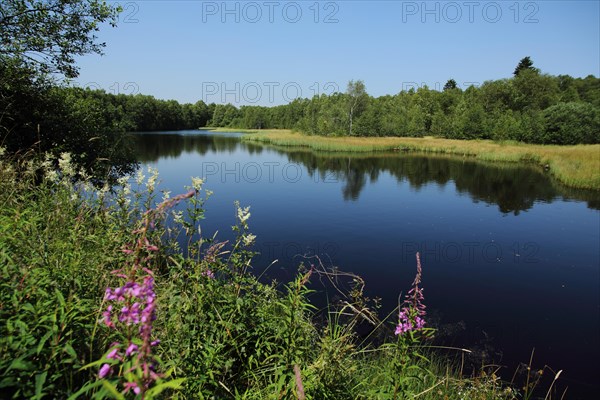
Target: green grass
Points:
(218, 129)
(575, 166)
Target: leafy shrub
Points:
(55, 252)
(571, 123)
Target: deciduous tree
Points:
(46, 35)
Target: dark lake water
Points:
(510, 257)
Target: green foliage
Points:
(357, 99)
(221, 325)
(450, 85)
(42, 37)
(46, 35)
(38, 116)
(505, 109)
(524, 64)
(56, 253)
(571, 123)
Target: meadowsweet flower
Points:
(51, 175)
(248, 239)
(66, 166)
(243, 214)
(102, 192)
(197, 183)
(139, 176)
(177, 216)
(123, 180)
(83, 174)
(152, 179)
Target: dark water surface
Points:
(511, 258)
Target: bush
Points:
(571, 123)
(56, 252)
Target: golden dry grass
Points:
(576, 166)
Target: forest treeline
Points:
(529, 107)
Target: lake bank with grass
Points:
(208, 326)
(576, 166)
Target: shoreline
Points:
(576, 166)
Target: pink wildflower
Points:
(412, 309)
(131, 386)
(105, 370)
(132, 348)
(209, 274)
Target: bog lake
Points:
(511, 258)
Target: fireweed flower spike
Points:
(132, 305)
(209, 274)
(412, 309)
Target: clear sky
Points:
(269, 52)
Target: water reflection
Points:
(505, 277)
(512, 187)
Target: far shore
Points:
(575, 166)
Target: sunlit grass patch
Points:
(576, 166)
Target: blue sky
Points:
(268, 52)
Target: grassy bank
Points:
(75, 260)
(576, 166)
(233, 130)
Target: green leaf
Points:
(40, 379)
(86, 388)
(96, 363)
(7, 382)
(20, 364)
(173, 384)
(43, 341)
(113, 390)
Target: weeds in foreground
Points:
(183, 316)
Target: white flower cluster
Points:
(140, 177)
(66, 166)
(150, 185)
(248, 239)
(243, 214)
(178, 217)
(197, 183)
